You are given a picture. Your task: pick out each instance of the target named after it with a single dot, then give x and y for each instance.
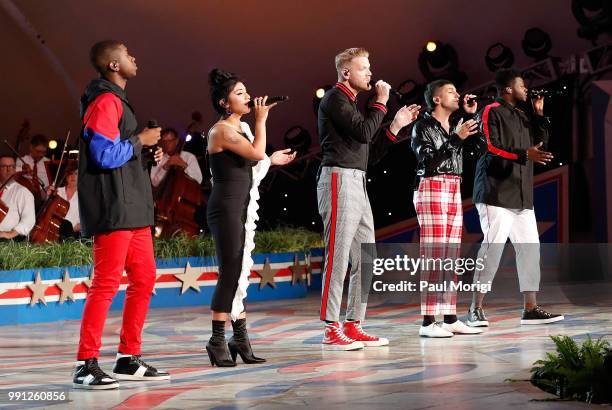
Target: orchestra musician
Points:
(20, 216)
(34, 163)
(174, 156)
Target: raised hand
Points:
(282, 157)
(465, 129)
(403, 117)
(261, 109)
(536, 155)
(382, 91)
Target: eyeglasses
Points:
(8, 166)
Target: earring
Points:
(228, 112)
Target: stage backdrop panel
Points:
(52, 294)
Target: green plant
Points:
(23, 255)
(575, 372)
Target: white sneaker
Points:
(434, 330)
(461, 328)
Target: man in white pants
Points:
(503, 193)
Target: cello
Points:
(53, 212)
(177, 198)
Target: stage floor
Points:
(465, 372)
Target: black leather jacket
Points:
(437, 151)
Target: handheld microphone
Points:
(471, 100)
(391, 91)
(270, 100)
(152, 123)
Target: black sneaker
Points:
(134, 368)
(538, 316)
(88, 375)
(477, 318)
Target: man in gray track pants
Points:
(348, 142)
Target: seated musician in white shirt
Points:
(35, 160)
(21, 217)
(188, 162)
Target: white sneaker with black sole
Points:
(477, 318)
(88, 375)
(132, 367)
(538, 316)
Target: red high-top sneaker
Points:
(354, 331)
(335, 339)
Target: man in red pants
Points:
(116, 208)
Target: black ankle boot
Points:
(217, 349)
(219, 355)
(239, 344)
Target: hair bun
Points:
(217, 77)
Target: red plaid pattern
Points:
(440, 214)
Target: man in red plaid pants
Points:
(437, 200)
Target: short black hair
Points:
(431, 89)
(504, 77)
(39, 139)
(169, 131)
(99, 54)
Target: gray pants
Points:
(348, 222)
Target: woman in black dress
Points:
(238, 163)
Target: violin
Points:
(52, 213)
(177, 198)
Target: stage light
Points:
(298, 139)
(320, 93)
(536, 43)
(188, 138)
(499, 56)
(594, 17)
(431, 46)
(441, 63)
(52, 144)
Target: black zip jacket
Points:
(437, 151)
(347, 138)
(114, 185)
(504, 177)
